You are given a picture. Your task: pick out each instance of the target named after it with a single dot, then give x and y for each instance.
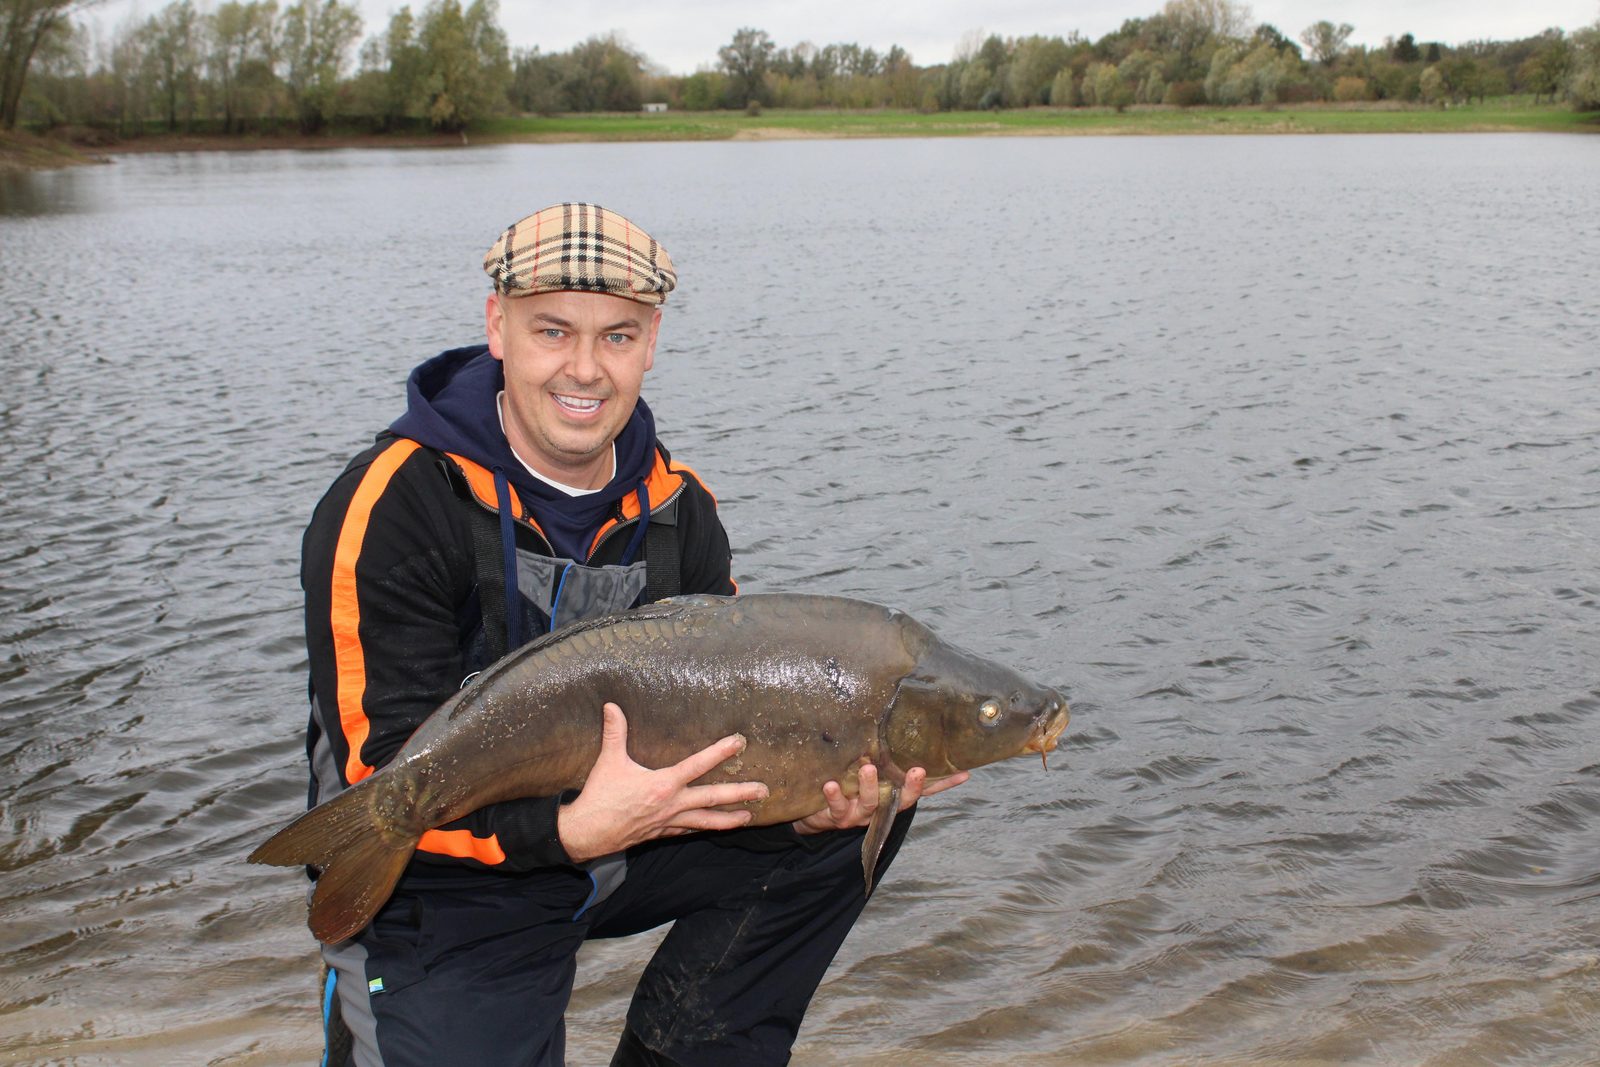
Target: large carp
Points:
(815, 684)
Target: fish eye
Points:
(989, 712)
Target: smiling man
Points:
(524, 489)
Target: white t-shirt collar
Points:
(499, 410)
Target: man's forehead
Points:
(572, 306)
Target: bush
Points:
(1185, 94)
(1349, 89)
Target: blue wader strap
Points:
(328, 991)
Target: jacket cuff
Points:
(528, 833)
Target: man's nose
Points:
(585, 367)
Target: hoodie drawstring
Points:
(508, 551)
(644, 522)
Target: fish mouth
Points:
(1047, 729)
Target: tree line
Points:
(242, 65)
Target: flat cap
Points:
(580, 247)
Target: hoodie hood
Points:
(450, 406)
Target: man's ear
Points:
(494, 322)
(655, 329)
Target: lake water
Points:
(1280, 456)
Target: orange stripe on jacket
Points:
(462, 845)
(350, 659)
(480, 480)
(661, 482)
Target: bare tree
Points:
(1325, 41)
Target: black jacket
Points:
(393, 617)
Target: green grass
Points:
(1509, 114)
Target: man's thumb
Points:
(613, 729)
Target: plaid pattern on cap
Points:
(580, 247)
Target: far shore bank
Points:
(23, 151)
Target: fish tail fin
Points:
(359, 860)
(878, 830)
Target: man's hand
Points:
(623, 803)
(843, 813)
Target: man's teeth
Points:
(577, 403)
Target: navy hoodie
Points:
(450, 406)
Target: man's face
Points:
(573, 365)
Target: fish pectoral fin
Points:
(878, 830)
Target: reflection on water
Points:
(1278, 458)
(51, 192)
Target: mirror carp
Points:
(815, 684)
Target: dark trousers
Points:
(483, 975)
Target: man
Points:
(524, 489)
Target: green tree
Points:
(1545, 72)
(1405, 50)
(902, 81)
(405, 68)
(602, 74)
(745, 61)
(314, 46)
(467, 62)
(172, 50)
(1032, 70)
(974, 85)
(1325, 41)
(1268, 34)
(1064, 89)
(239, 52)
(704, 90)
(58, 89)
(1583, 82)
(535, 82)
(1253, 77)
(127, 89)
(1463, 77)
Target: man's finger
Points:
(720, 796)
(701, 819)
(867, 788)
(939, 785)
(911, 788)
(709, 758)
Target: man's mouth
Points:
(578, 405)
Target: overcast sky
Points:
(684, 36)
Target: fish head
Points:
(957, 710)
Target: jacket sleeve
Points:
(388, 578)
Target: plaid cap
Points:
(580, 247)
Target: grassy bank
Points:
(25, 151)
(1495, 116)
(22, 151)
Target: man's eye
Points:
(553, 333)
(617, 338)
